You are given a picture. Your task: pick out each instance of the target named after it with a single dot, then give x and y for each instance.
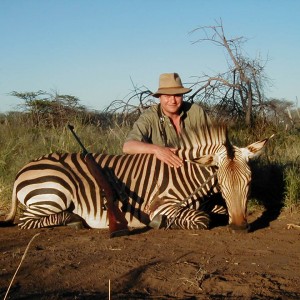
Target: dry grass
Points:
(277, 168)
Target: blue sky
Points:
(95, 50)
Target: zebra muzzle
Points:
(243, 228)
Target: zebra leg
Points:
(187, 218)
(30, 220)
(180, 218)
(218, 216)
(217, 211)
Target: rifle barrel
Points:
(71, 127)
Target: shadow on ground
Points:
(267, 189)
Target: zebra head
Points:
(233, 172)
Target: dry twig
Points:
(295, 226)
(22, 259)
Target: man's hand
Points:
(168, 156)
(165, 154)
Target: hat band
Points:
(171, 87)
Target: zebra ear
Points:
(255, 149)
(208, 160)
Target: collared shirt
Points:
(148, 127)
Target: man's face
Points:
(171, 103)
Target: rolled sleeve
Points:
(139, 132)
(142, 129)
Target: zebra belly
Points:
(103, 221)
(97, 222)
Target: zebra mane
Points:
(204, 140)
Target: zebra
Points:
(58, 188)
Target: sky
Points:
(100, 50)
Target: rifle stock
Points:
(117, 221)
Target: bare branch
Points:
(244, 75)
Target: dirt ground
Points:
(68, 263)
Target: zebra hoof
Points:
(119, 233)
(158, 222)
(76, 225)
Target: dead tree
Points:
(239, 89)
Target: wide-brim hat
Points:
(170, 84)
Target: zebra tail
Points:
(9, 219)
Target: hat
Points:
(170, 84)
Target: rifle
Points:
(117, 222)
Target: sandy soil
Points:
(67, 263)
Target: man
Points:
(158, 129)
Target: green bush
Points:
(292, 186)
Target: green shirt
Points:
(148, 127)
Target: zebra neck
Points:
(197, 152)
